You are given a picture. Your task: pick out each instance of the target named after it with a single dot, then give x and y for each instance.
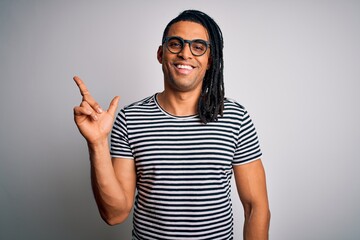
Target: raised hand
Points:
(93, 123)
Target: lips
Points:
(180, 66)
(183, 68)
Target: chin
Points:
(185, 87)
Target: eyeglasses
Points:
(174, 44)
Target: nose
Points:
(185, 52)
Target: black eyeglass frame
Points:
(183, 42)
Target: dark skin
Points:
(114, 179)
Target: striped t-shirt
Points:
(183, 168)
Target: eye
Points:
(174, 43)
(198, 46)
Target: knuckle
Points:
(83, 103)
(85, 92)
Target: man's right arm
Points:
(113, 180)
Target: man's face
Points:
(184, 72)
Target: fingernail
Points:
(99, 110)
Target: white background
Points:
(295, 65)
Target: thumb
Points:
(113, 105)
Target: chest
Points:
(183, 145)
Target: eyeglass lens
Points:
(175, 45)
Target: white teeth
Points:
(184, 67)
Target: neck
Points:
(179, 104)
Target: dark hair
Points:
(211, 102)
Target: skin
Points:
(182, 87)
(114, 179)
(251, 185)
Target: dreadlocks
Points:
(211, 102)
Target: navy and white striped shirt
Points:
(183, 168)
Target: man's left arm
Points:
(251, 186)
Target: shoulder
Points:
(233, 106)
(139, 106)
(141, 110)
(148, 101)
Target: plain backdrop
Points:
(295, 65)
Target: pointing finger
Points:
(86, 94)
(82, 87)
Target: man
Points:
(178, 148)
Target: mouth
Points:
(184, 68)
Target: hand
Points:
(93, 123)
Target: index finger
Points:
(86, 95)
(82, 87)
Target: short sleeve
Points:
(248, 147)
(120, 147)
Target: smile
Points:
(184, 67)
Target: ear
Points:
(160, 54)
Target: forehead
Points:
(188, 30)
